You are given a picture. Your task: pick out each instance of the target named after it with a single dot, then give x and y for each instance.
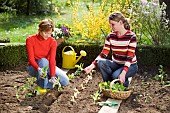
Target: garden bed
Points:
(148, 96)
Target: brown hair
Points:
(117, 16)
(46, 25)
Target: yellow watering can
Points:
(69, 57)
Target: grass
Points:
(18, 27)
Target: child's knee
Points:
(115, 75)
(64, 82)
(43, 62)
(100, 63)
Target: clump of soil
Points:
(149, 95)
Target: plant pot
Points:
(59, 41)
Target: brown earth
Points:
(148, 95)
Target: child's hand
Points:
(53, 80)
(88, 69)
(122, 77)
(40, 72)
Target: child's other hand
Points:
(88, 69)
(122, 77)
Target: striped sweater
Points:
(123, 49)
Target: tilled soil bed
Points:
(148, 96)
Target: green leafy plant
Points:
(162, 75)
(167, 84)
(77, 72)
(115, 87)
(45, 71)
(79, 69)
(104, 85)
(118, 87)
(28, 89)
(71, 76)
(92, 71)
(57, 83)
(96, 96)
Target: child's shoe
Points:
(40, 90)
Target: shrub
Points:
(151, 24)
(94, 25)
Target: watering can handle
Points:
(66, 47)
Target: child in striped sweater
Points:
(122, 43)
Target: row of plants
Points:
(160, 76)
(28, 89)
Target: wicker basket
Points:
(118, 94)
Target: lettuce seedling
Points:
(115, 87)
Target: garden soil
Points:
(148, 95)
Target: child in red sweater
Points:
(41, 50)
(122, 43)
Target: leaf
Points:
(45, 71)
(167, 85)
(118, 87)
(28, 79)
(96, 96)
(77, 66)
(121, 88)
(17, 96)
(114, 90)
(71, 76)
(101, 86)
(28, 94)
(46, 68)
(156, 77)
(38, 92)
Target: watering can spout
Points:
(69, 57)
(82, 53)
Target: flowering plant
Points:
(61, 31)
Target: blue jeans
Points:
(64, 80)
(110, 70)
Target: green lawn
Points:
(18, 28)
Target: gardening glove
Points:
(53, 80)
(40, 72)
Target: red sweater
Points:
(123, 49)
(37, 48)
